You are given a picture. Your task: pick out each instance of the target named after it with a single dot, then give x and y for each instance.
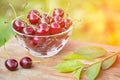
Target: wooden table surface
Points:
(44, 70)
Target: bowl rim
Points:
(69, 29)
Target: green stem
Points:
(36, 61)
(36, 15)
(25, 5)
(13, 9)
(113, 54)
(6, 49)
(49, 12)
(24, 20)
(68, 6)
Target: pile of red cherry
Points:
(12, 64)
(39, 25)
(43, 24)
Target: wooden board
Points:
(44, 70)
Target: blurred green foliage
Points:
(5, 32)
(22, 7)
(99, 23)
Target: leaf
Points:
(74, 56)
(109, 62)
(93, 71)
(68, 66)
(77, 73)
(91, 51)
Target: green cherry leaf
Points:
(74, 56)
(68, 66)
(91, 51)
(93, 71)
(109, 62)
(77, 73)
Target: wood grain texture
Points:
(44, 70)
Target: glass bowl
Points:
(43, 46)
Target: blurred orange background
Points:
(100, 21)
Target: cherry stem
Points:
(49, 12)
(76, 20)
(36, 15)
(13, 9)
(27, 23)
(36, 61)
(25, 5)
(6, 49)
(66, 16)
(68, 6)
(40, 10)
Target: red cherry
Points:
(38, 41)
(46, 19)
(58, 12)
(26, 62)
(28, 30)
(43, 29)
(39, 22)
(33, 16)
(62, 24)
(18, 25)
(35, 41)
(68, 23)
(59, 20)
(55, 28)
(11, 64)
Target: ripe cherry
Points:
(43, 29)
(11, 64)
(18, 25)
(58, 12)
(38, 41)
(55, 28)
(35, 41)
(28, 30)
(59, 20)
(33, 16)
(26, 62)
(46, 18)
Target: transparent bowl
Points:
(45, 46)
